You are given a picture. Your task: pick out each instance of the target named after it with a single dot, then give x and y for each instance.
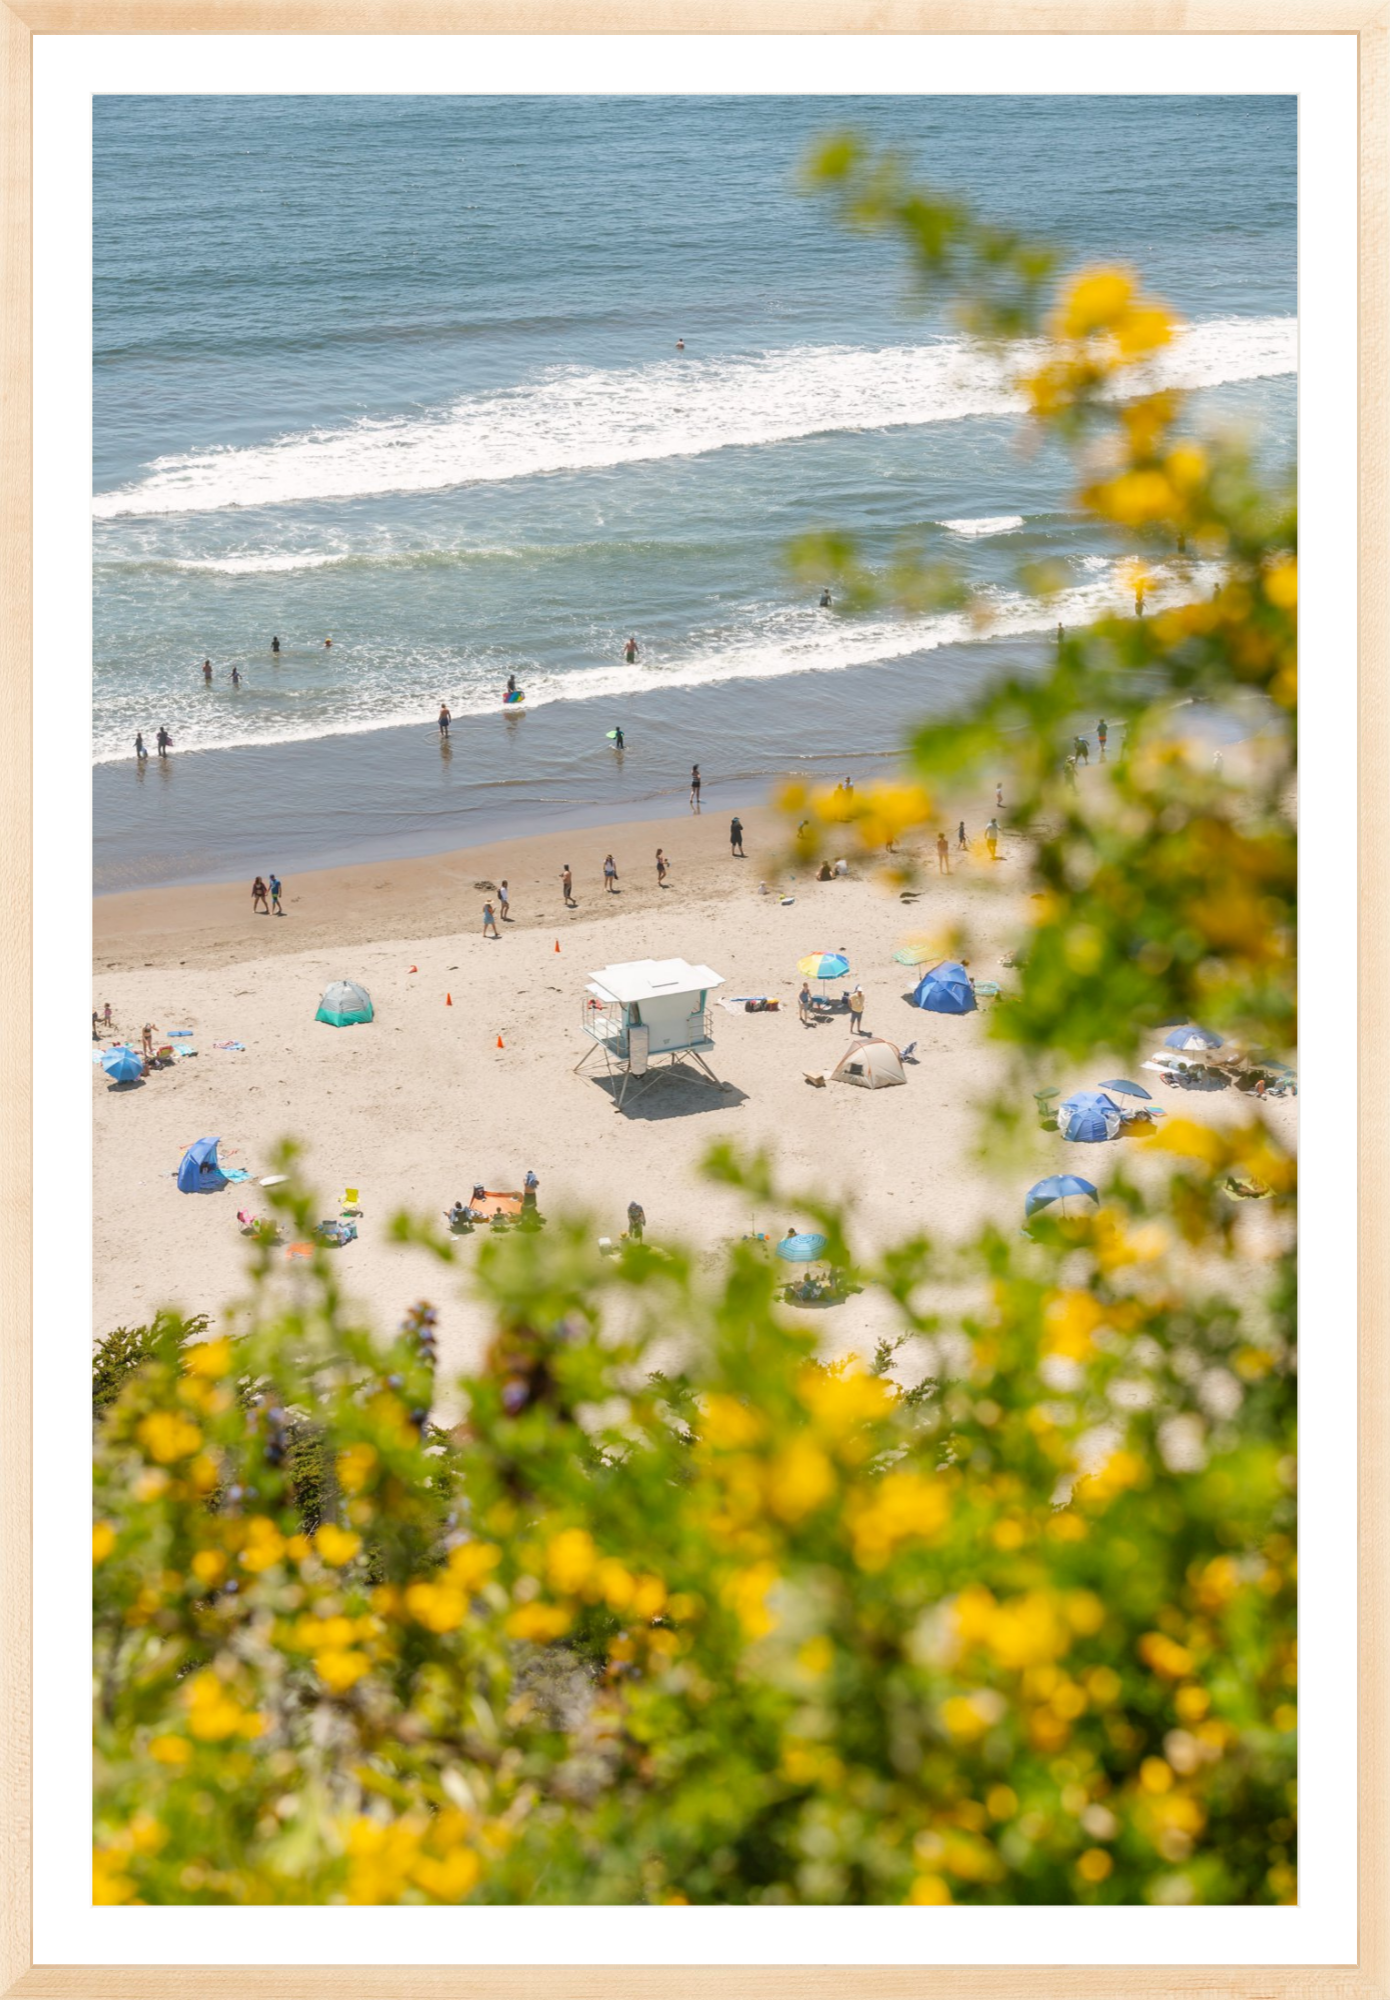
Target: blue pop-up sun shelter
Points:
(1090, 1117)
(946, 989)
(199, 1172)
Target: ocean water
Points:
(403, 372)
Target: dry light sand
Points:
(416, 1107)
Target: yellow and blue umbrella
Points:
(823, 965)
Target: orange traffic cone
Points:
(415, 968)
(557, 944)
(500, 1043)
(448, 999)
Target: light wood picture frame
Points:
(23, 21)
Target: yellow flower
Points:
(471, 1563)
(213, 1713)
(541, 1623)
(265, 1545)
(340, 1670)
(746, 1595)
(209, 1358)
(1165, 1656)
(800, 1479)
(209, 1566)
(929, 1889)
(174, 1750)
(103, 1541)
(570, 1560)
(167, 1436)
(725, 1424)
(1094, 1865)
(355, 1466)
(1096, 300)
(1070, 1319)
(1281, 584)
(336, 1545)
(899, 1507)
(841, 1400)
(437, 1606)
(451, 1879)
(109, 1883)
(1155, 1775)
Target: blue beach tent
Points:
(200, 1173)
(946, 989)
(1190, 1036)
(1089, 1117)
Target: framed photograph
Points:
(698, 1163)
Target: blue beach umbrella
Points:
(946, 989)
(122, 1065)
(1057, 1190)
(802, 1249)
(1190, 1036)
(1089, 1117)
(1126, 1088)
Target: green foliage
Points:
(127, 1348)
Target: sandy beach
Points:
(467, 1072)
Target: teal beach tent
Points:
(345, 1005)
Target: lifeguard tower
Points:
(637, 1014)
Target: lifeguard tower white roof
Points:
(652, 979)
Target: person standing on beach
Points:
(505, 902)
(961, 840)
(610, 875)
(630, 650)
(943, 855)
(490, 920)
(803, 1000)
(163, 742)
(992, 838)
(736, 836)
(636, 1221)
(663, 869)
(207, 673)
(856, 1011)
(141, 753)
(694, 788)
(444, 718)
(1102, 732)
(567, 884)
(275, 895)
(258, 897)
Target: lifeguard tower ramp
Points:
(648, 1019)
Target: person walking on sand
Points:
(106, 1015)
(277, 908)
(630, 650)
(610, 875)
(567, 885)
(636, 1221)
(856, 1011)
(736, 836)
(258, 897)
(504, 901)
(694, 788)
(943, 855)
(163, 742)
(444, 718)
(1102, 733)
(1082, 746)
(663, 869)
(141, 753)
(961, 840)
(992, 838)
(490, 920)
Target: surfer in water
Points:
(618, 743)
(630, 651)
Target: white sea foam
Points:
(256, 564)
(985, 524)
(575, 419)
(783, 642)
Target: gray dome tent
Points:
(345, 1004)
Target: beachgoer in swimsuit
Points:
(662, 869)
(258, 897)
(275, 896)
(694, 788)
(275, 645)
(444, 719)
(610, 875)
(736, 835)
(636, 1220)
(163, 742)
(236, 678)
(207, 673)
(141, 753)
(630, 652)
(567, 884)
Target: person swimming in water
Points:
(327, 642)
(236, 678)
(680, 347)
